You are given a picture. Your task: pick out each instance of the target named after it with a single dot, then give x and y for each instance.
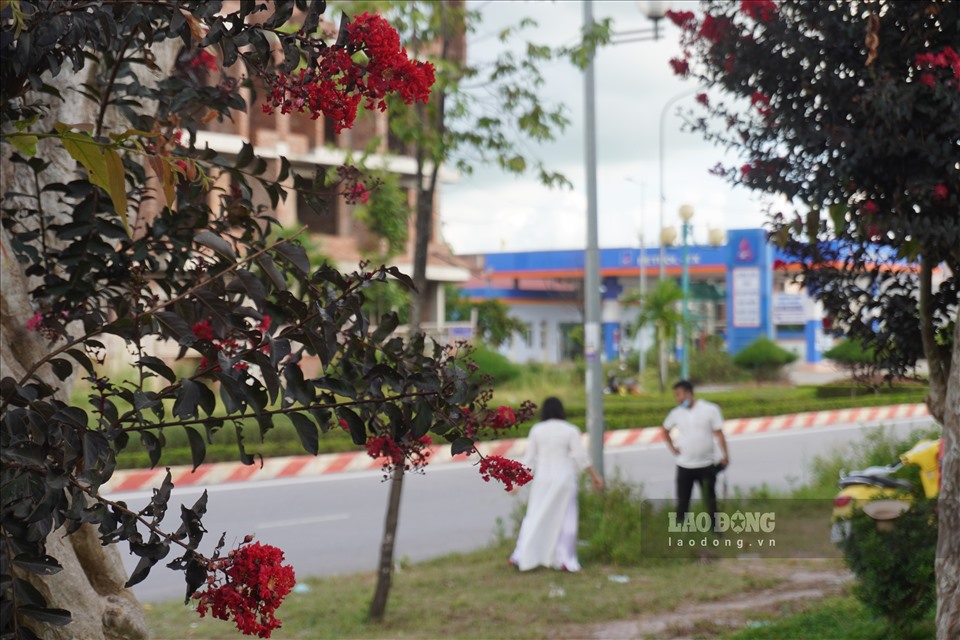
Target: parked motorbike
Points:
(860, 487)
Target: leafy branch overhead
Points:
(155, 241)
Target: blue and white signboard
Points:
(749, 288)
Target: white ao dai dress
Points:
(548, 534)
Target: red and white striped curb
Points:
(307, 466)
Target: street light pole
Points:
(592, 335)
(662, 351)
(686, 214)
(663, 198)
(641, 360)
(591, 267)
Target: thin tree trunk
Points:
(378, 606)
(662, 352)
(423, 230)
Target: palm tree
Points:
(659, 310)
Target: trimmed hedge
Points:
(620, 412)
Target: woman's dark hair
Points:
(552, 409)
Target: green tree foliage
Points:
(387, 214)
(659, 310)
(495, 325)
(492, 364)
(894, 564)
(764, 358)
(714, 364)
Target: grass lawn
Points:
(477, 595)
(838, 617)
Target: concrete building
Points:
(735, 293)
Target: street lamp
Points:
(686, 214)
(592, 335)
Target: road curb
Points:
(325, 464)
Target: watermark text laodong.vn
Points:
(722, 522)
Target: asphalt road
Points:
(331, 525)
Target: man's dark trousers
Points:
(707, 479)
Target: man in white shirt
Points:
(699, 424)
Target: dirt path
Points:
(709, 618)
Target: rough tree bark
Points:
(943, 401)
(91, 584)
(948, 542)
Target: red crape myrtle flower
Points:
(759, 10)
(946, 58)
(683, 19)
(413, 454)
(509, 472)
(247, 586)
(34, 323)
(338, 83)
(680, 66)
(203, 330)
(204, 59)
(504, 418)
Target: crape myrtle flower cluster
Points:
(413, 453)
(509, 472)
(341, 78)
(947, 58)
(482, 420)
(247, 586)
(231, 347)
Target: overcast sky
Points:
(490, 211)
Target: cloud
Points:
(489, 211)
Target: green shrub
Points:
(494, 364)
(895, 567)
(714, 365)
(850, 352)
(848, 389)
(610, 523)
(860, 361)
(764, 358)
(620, 412)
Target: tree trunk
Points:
(662, 354)
(91, 584)
(378, 606)
(948, 541)
(423, 229)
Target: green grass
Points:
(476, 595)
(838, 617)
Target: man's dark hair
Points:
(686, 385)
(552, 409)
